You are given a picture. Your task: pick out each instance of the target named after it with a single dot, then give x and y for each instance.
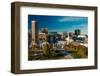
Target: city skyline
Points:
(59, 23)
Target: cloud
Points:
(66, 19)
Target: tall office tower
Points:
(77, 32)
(65, 34)
(34, 31)
(45, 30)
(71, 34)
(52, 37)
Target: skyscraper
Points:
(65, 34)
(45, 30)
(77, 32)
(34, 31)
(52, 37)
(71, 34)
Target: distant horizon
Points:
(59, 24)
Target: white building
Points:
(34, 31)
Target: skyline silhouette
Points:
(59, 23)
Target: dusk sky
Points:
(59, 23)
